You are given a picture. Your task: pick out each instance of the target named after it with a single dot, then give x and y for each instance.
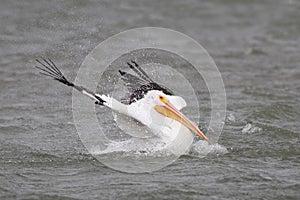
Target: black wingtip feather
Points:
(130, 65)
(48, 68)
(122, 73)
(134, 63)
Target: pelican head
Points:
(169, 106)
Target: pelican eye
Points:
(162, 99)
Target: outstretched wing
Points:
(48, 68)
(139, 85)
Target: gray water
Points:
(255, 44)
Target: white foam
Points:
(134, 146)
(249, 128)
(230, 117)
(202, 148)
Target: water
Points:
(256, 47)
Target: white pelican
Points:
(153, 105)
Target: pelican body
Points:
(153, 105)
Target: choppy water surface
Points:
(256, 46)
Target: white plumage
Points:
(144, 112)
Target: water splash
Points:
(230, 117)
(154, 147)
(202, 148)
(249, 128)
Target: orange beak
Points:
(170, 111)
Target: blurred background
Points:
(256, 46)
